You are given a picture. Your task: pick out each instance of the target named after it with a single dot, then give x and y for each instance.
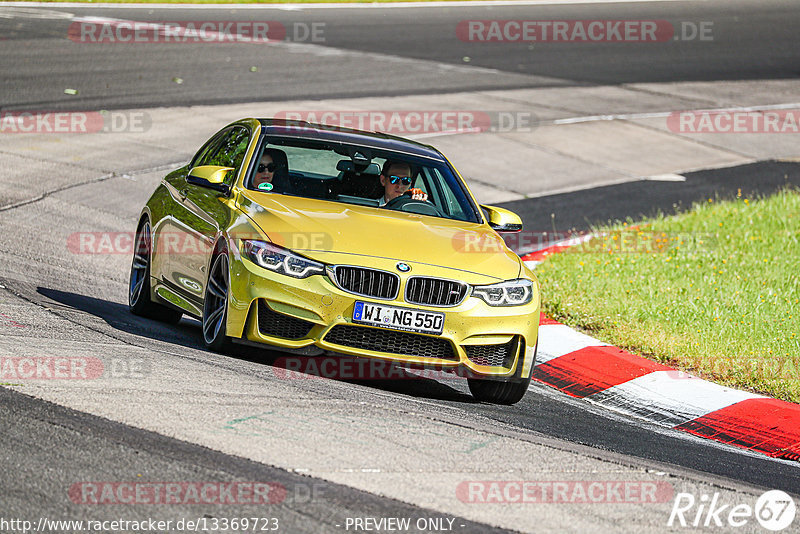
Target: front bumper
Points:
(477, 340)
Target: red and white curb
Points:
(587, 368)
(535, 258)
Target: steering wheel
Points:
(411, 205)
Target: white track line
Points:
(661, 114)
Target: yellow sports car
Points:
(316, 240)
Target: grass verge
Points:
(714, 291)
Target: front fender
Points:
(241, 228)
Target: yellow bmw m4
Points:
(316, 241)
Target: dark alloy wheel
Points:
(139, 287)
(215, 305)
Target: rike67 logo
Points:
(774, 510)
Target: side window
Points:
(443, 196)
(422, 182)
(231, 150)
(226, 149)
(202, 156)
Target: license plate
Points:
(406, 319)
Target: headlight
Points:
(509, 293)
(280, 260)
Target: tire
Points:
(497, 392)
(215, 304)
(139, 301)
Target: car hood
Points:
(334, 232)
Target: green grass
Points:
(714, 291)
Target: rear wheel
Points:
(139, 287)
(497, 392)
(215, 304)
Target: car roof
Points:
(308, 130)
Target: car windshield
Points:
(351, 174)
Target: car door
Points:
(202, 212)
(169, 228)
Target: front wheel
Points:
(497, 392)
(139, 301)
(215, 304)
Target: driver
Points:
(396, 179)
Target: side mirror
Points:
(502, 220)
(210, 176)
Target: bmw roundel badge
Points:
(403, 267)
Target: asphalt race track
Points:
(335, 449)
(752, 40)
(580, 210)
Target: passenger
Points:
(396, 180)
(271, 171)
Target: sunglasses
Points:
(268, 167)
(405, 180)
